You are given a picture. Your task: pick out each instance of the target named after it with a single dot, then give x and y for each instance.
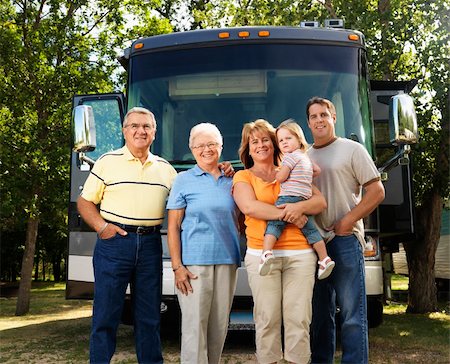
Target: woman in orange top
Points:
(284, 296)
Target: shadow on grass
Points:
(410, 338)
(67, 341)
(402, 338)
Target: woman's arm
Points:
(182, 274)
(295, 212)
(245, 199)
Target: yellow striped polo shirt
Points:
(128, 191)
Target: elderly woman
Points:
(203, 241)
(284, 296)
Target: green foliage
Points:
(49, 51)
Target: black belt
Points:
(142, 230)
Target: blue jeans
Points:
(134, 259)
(346, 287)
(276, 227)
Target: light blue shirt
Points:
(209, 230)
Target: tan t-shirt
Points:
(345, 166)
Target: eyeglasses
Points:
(134, 127)
(210, 145)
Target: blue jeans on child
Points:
(276, 227)
(134, 259)
(346, 287)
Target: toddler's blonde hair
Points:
(296, 130)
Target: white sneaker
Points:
(266, 262)
(325, 267)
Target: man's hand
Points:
(343, 227)
(110, 231)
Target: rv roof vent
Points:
(334, 23)
(309, 24)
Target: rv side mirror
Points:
(402, 120)
(83, 129)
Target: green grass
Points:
(399, 283)
(57, 331)
(411, 338)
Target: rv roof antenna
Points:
(309, 24)
(334, 23)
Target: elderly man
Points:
(346, 169)
(131, 186)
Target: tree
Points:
(410, 40)
(50, 50)
(432, 154)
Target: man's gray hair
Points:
(205, 128)
(139, 110)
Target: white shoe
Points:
(266, 262)
(325, 267)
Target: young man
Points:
(131, 186)
(346, 169)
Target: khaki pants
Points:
(283, 297)
(205, 313)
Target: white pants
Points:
(205, 313)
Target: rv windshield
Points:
(231, 85)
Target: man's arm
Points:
(89, 213)
(374, 194)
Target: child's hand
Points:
(316, 169)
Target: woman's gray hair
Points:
(139, 110)
(205, 128)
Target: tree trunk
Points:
(36, 267)
(23, 298)
(57, 267)
(421, 253)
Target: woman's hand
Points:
(294, 214)
(227, 168)
(183, 280)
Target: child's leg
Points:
(273, 231)
(326, 265)
(320, 249)
(265, 263)
(269, 242)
